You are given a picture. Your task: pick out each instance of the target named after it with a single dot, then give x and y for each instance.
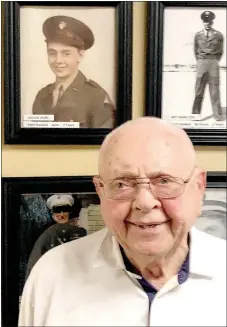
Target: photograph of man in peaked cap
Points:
(194, 67)
(65, 211)
(208, 50)
(72, 97)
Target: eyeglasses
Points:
(163, 187)
(60, 209)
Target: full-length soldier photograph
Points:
(208, 50)
(72, 97)
(194, 68)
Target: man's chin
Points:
(149, 249)
(62, 221)
(61, 75)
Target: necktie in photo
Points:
(57, 94)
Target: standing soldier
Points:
(208, 49)
(73, 97)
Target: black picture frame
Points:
(12, 188)
(154, 64)
(14, 133)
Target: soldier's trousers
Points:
(207, 73)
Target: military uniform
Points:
(54, 235)
(58, 233)
(83, 101)
(208, 50)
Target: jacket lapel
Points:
(47, 101)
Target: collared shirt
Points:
(66, 83)
(60, 87)
(149, 288)
(84, 283)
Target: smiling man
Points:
(150, 266)
(73, 97)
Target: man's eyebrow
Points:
(122, 174)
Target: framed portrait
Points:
(214, 210)
(39, 214)
(67, 70)
(186, 67)
(32, 223)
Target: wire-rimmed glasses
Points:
(163, 187)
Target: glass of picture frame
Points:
(186, 67)
(67, 70)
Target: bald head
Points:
(147, 136)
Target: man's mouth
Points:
(147, 226)
(59, 68)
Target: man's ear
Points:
(81, 55)
(98, 184)
(202, 181)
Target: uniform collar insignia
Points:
(62, 25)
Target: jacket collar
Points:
(107, 252)
(77, 83)
(211, 32)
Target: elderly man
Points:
(73, 97)
(150, 266)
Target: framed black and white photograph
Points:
(214, 211)
(67, 71)
(186, 67)
(39, 213)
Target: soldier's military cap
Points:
(207, 16)
(69, 31)
(57, 200)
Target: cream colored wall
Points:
(37, 160)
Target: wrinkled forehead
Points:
(143, 159)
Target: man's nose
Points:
(145, 200)
(59, 58)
